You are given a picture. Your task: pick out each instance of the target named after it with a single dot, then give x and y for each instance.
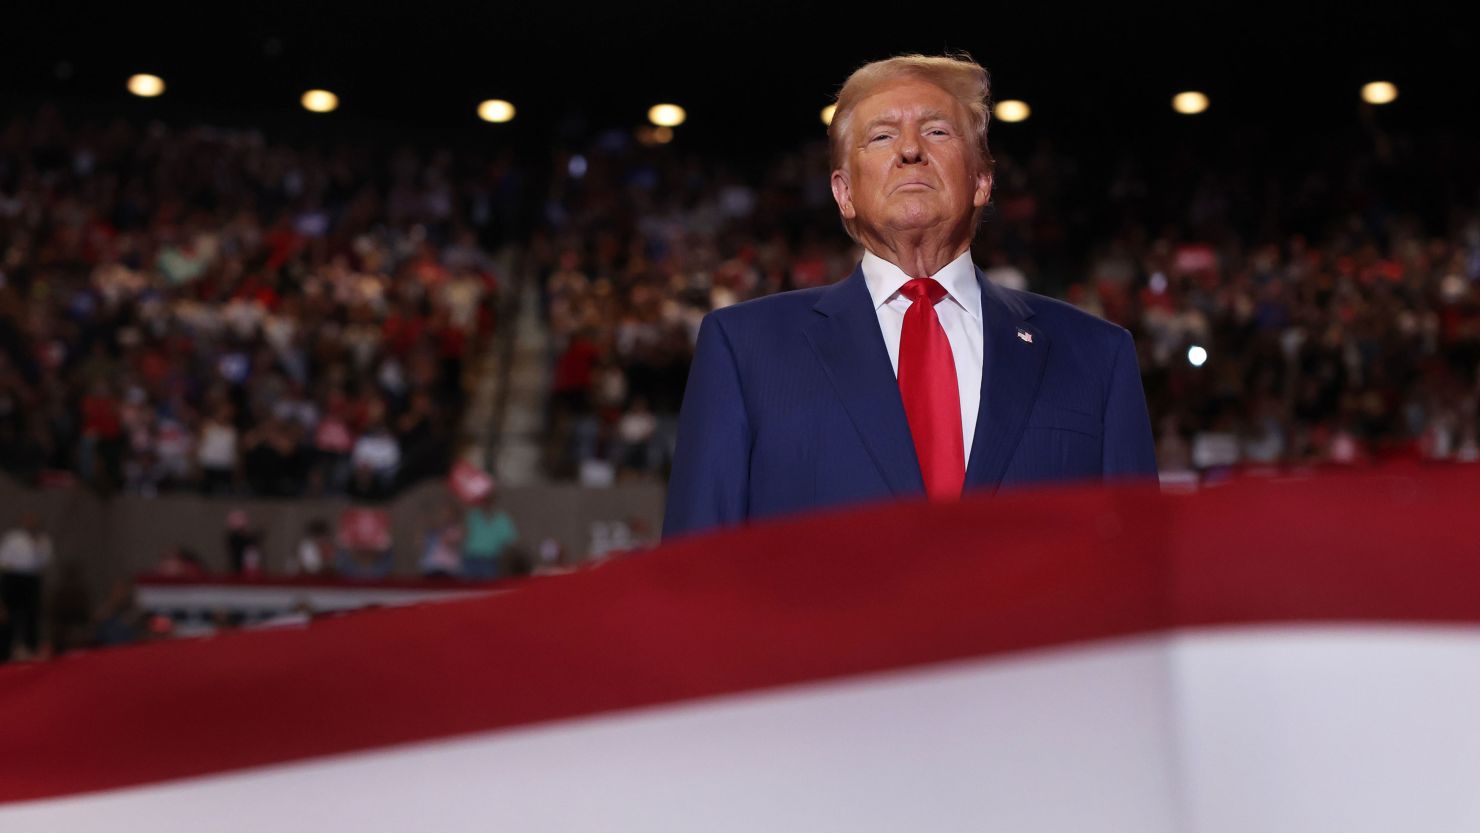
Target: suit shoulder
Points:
(768, 309)
(1063, 319)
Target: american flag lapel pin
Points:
(1025, 335)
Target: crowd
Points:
(201, 308)
(478, 542)
(48, 609)
(1322, 306)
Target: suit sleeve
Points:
(708, 485)
(1129, 451)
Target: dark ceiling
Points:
(752, 75)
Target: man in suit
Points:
(914, 376)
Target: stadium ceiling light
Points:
(1189, 103)
(145, 85)
(827, 114)
(496, 110)
(1379, 92)
(320, 101)
(1012, 110)
(667, 115)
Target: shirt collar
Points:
(884, 281)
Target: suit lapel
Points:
(1011, 372)
(845, 334)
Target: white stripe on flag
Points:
(1221, 731)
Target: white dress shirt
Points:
(960, 314)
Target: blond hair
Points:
(960, 76)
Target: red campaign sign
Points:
(365, 529)
(470, 483)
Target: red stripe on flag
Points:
(769, 606)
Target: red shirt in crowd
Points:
(402, 332)
(100, 417)
(573, 371)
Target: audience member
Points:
(243, 544)
(25, 553)
(442, 546)
(316, 553)
(489, 533)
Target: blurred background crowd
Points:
(199, 308)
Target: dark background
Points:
(753, 76)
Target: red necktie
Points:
(927, 384)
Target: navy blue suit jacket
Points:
(792, 405)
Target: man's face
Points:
(911, 163)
